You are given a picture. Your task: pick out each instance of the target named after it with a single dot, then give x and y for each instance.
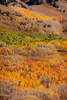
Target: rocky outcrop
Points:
(29, 2)
(36, 2)
(18, 3)
(6, 1)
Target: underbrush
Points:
(24, 74)
(5, 51)
(35, 60)
(21, 39)
(60, 45)
(31, 61)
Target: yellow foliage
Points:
(29, 14)
(5, 51)
(30, 74)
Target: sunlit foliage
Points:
(33, 74)
(32, 60)
(30, 14)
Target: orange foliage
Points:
(59, 18)
(30, 74)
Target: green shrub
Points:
(20, 39)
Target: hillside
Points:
(33, 50)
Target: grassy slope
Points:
(26, 57)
